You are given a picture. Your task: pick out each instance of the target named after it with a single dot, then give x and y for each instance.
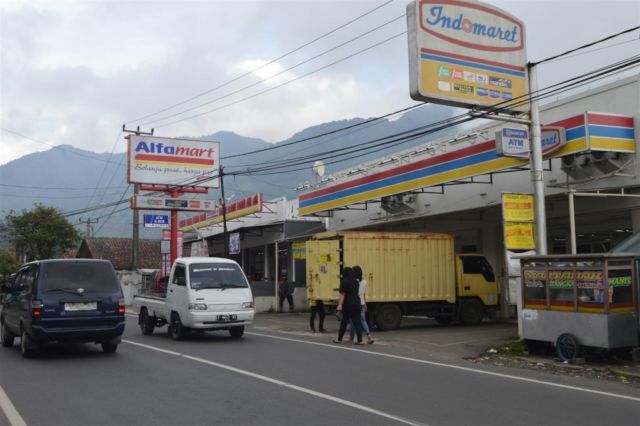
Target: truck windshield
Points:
(216, 275)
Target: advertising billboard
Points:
(146, 202)
(156, 221)
(466, 53)
(165, 161)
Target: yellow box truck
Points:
(407, 274)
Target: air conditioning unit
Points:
(607, 161)
(575, 165)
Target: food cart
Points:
(579, 301)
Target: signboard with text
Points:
(466, 53)
(518, 215)
(145, 202)
(166, 161)
(156, 221)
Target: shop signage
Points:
(299, 250)
(234, 243)
(166, 161)
(512, 143)
(239, 208)
(145, 202)
(517, 207)
(466, 53)
(156, 221)
(553, 138)
(519, 236)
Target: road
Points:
(270, 377)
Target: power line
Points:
(58, 188)
(148, 123)
(264, 65)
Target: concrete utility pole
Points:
(537, 174)
(89, 221)
(136, 231)
(225, 235)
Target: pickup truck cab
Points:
(203, 293)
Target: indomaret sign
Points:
(167, 161)
(466, 53)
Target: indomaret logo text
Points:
(471, 24)
(165, 154)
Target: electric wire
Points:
(272, 61)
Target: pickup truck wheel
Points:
(176, 329)
(6, 336)
(27, 345)
(147, 322)
(109, 348)
(236, 332)
(388, 316)
(471, 312)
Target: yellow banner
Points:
(519, 236)
(299, 250)
(517, 207)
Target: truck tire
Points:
(388, 316)
(6, 336)
(471, 312)
(147, 322)
(236, 332)
(177, 331)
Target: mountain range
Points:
(72, 179)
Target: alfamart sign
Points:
(167, 161)
(467, 54)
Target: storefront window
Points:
(535, 289)
(620, 292)
(562, 290)
(590, 285)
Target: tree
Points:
(8, 263)
(40, 233)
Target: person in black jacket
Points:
(349, 305)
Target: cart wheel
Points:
(567, 347)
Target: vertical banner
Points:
(234, 243)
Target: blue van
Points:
(63, 300)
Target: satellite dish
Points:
(318, 168)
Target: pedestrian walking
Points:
(317, 308)
(349, 305)
(362, 293)
(284, 291)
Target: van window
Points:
(216, 275)
(179, 272)
(478, 265)
(90, 276)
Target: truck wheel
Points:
(236, 332)
(147, 323)
(471, 312)
(27, 345)
(388, 316)
(176, 329)
(5, 335)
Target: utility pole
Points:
(88, 222)
(136, 232)
(224, 215)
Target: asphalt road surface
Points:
(271, 377)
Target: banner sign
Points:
(517, 207)
(519, 236)
(156, 221)
(234, 243)
(466, 53)
(165, 161)
(145, 202)
(299, 250)
(239, 208)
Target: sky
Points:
(73, 72)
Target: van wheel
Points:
(5, 335)
(27, 345)
(176, 330)
(236, 332)
(388, 316)
(109, 348)
(471, 312)
(147, 323)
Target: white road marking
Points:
(284, 384)
(15, 419)
(455, 367)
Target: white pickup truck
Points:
(203, 293)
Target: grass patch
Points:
(511, 348)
